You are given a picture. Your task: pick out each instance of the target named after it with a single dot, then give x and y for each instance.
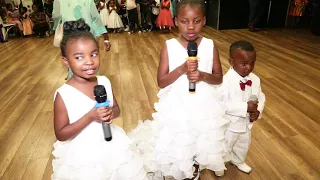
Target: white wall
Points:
(27, 4)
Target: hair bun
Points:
(73, 26)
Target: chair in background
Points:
(6, 28)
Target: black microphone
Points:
(100, 95)
(192, 52)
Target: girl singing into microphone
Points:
(81, 151)
(188, 129)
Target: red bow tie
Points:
(243, 85)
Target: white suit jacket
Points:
(235, 100)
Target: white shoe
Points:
(126, 29)
(244, 167)
(219, 173)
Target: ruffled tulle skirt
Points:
(114, 21)
(92, 158)
(104, 13)
(186, 129)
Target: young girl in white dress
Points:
(104, 12)
(114, 21)
(187, 130)
(81, 151)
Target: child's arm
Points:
(214, 78)
(164, 77)
(62, 127)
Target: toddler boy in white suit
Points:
(243, 99)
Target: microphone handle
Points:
(106, 131)
(253, 98)
(192, 87)
(105, 127)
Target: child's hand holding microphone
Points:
(253, 108)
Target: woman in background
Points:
(297, 9)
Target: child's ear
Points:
(65, 62)
(231, 61)
(176, 21)
(204, 21)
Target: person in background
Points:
(132, 16)
(104, 12)
(256, 10)
(69, 10)
(155, 5)
(13, 19)
(26, 22)
(165, 20)
(123, 14)
(39, 20)
(297, 9)
(114, 20)
(48, 8)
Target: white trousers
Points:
(238, 145)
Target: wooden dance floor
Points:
(285, 143)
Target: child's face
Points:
(82, 56)
(34, 8)
(190, 20)
(243, 61)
